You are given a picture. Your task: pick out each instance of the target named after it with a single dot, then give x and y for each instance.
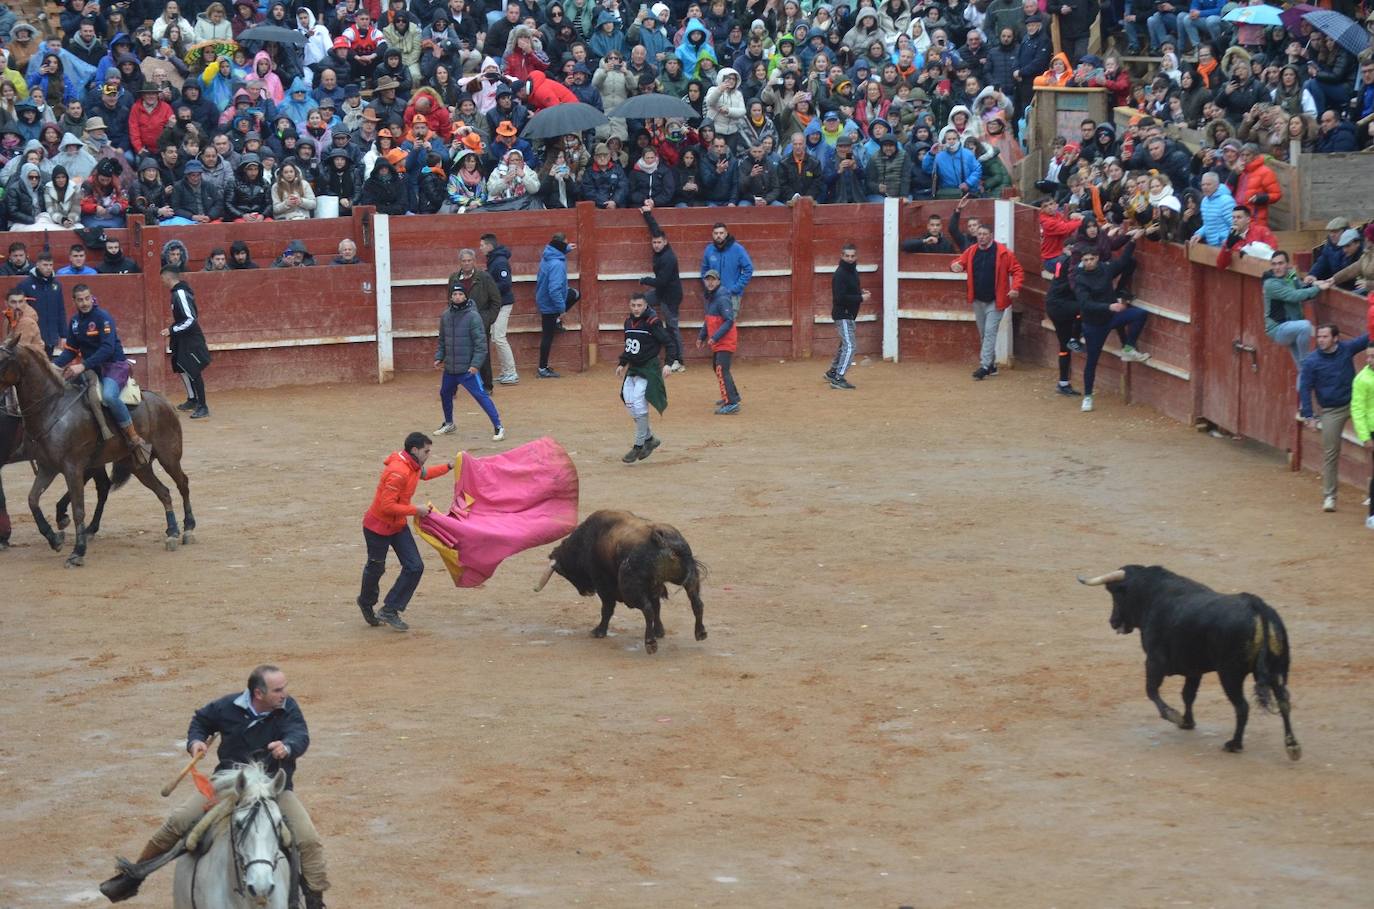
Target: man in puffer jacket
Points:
(889, 171)
(462, 350)
(250, 198)
(1217, 206)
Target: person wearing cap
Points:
(553, 296)
(844, 173)
(194, 198)
(507, 139)
(1246, 229)
(1327, 375)
(147, 119)
(1332, 257)
(719, 332)
(1359, 274)
(604, 183)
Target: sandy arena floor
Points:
(904, 699)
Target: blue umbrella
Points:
(1345, 31)
(1264, 14)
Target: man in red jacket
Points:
(384, 527)
(147, 119)
(1055, 230)
(1244, 231)
(1257, 187)
(994, 281)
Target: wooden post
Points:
(381, 287)
(1202, 314)
(891, 211)
(146, 243)
(802, 289)
(588, 266)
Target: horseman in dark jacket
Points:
(262, 723)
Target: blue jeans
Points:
(403, 544)
(109, 396)
(1188, 29)
(1296, 336)
(473, 384)
(1329, 96)
(1160, 26)
(1131, 318)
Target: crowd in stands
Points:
(164, 110)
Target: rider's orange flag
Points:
(204, 786)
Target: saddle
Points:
(131, 395)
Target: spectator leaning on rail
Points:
(1331, 257)
(1327, 374)
(1104, 311)
(1284, 295)
(1245, 230)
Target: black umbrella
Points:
(647, 107)
(563, 119)
(273, 33)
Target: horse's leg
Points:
(102, 492)
(76, 488)
(60, 517)
(4, 519)
(148, 478)
(171, 462)
(42, 480)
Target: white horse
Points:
(246, 866)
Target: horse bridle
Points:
(237, 831)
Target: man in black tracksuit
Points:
(645, 336)
(666, 282)
(845, 298)
(261, 723)
(1061, 305)
(1094, 285)
(190, 353)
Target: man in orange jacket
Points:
(994, 282)
(385, 527)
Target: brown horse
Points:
(63, 439)
(12, 451)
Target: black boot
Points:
(314, 899)
(188, 405)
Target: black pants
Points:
(669, 312)
(485, 369)
(548, 329)
(1065, 329)
(721, 361)
(195, 386)
(411, 568)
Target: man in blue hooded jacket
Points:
(727, 257)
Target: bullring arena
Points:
(905, 698)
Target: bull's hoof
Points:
(701, 634)
(1233, 746)
(75, 561)
(1187, 723)
(1294, 750)
(1173, 716)
(598, 632)
(188, 538)
(57, 541)
(171, 544)
(650, 645)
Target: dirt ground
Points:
(905, 698)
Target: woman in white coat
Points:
(725, 106)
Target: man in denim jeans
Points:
(1284, 294)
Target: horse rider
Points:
(19, 320)
(261, 723)
(91, 333)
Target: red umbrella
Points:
(1292, 16)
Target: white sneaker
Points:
(509, 378)
(1329, 503)
(1369, 522)
(1087, 403)
(445, 429)
(677, 366)
(499, 434)
(1131, 355)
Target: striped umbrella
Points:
(1345, 31)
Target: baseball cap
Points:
(1351, 235)
(1333, 224)
(711, 273)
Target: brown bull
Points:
(621, 557)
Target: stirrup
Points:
(125, 884)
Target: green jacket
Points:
(1283, 299)
(1362, 403)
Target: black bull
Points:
(621, 557)
(1188, 629)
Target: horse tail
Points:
(121, 473)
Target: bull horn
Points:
(1110, 577)
(544, 578)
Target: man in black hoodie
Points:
(846, 297)
(1094, 286)
(115, 262)
(498, 266)
(666, 282)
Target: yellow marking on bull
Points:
(1275, 642)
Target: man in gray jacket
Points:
(462, 348)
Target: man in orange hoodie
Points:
(1257, 187)
(385, 527)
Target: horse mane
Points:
(257, 784)
(42, 358)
